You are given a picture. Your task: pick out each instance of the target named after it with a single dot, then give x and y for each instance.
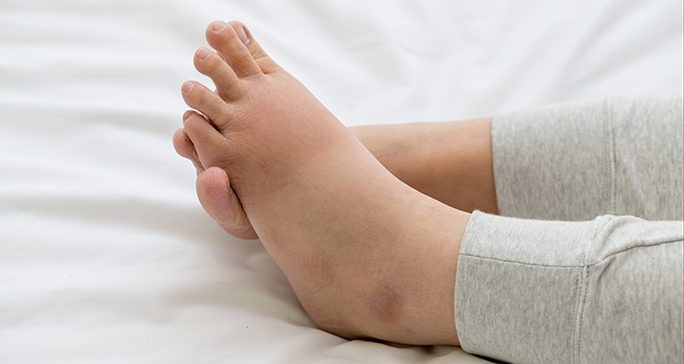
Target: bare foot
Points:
(448, 161)
(367, 255)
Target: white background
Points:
(105, 255)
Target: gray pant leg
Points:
(603, 291)
(607, 290)
(579, 161)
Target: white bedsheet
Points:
(105, 254)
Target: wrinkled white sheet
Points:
(105, 255)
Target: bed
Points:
(105, 253)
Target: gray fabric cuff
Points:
(606, 290)
(517, 287)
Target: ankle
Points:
(449, 161)
(412, 301)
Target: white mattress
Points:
(105, 254)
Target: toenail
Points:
(187, 114)
(187, 86)
(218, 26)
(242, 34)
(203, 53)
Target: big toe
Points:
(233, 47)
(221, 203)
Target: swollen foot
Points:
(366, 255)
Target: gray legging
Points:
(563, 290)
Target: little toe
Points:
(266, 63)
(224, 39)
(227, 82)
(199, 97)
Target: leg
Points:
(358, 245)
(531, 159)
(577, 161)
(602, 291)
(448, 161)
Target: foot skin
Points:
(366, 255)
(448, 161)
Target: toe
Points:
(231, 46)
(182, 144)
(227, 82)
(265, 62)
(199, 97)
(185, 148)
(221, 203)
(208, 142)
